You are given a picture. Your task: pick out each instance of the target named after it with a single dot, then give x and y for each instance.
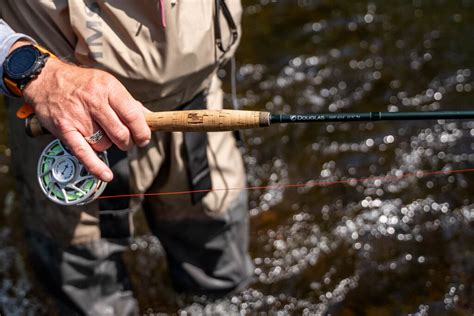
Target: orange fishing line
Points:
(308, 184)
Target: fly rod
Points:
(64, 180)
(229, 120)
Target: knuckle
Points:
(106, 81)
(143, 135)
(99, 83)
(93, 168)
(62, 126)
(92, 86)
(95, 104)
(80, 151)
(132, 115)
(102, 146)
(122, 136)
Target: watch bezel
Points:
(37, 63)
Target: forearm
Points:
(9, 39)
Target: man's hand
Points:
(74, 102)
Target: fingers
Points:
(103, 143)
(86, 155)
(78, 97)
(131, 113)
(115, 129)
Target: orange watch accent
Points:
(45, 51)
(12, 87)
(25, 111)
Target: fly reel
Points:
(64, 180)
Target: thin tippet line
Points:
(308, 184)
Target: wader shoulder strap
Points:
(230, 22)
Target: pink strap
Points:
(162, 10)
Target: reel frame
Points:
(64, 180)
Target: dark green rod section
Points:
(369, 116)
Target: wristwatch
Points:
(23, 65)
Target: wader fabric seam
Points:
(115, 216)
(195, 150)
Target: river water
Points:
(365, 231)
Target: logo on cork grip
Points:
(195, 118)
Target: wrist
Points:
(40, 81)
(18, 44)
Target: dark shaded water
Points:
(379, 247)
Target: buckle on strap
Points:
(230, 22)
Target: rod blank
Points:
(370, 116)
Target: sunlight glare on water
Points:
(387, 246)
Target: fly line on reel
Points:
(64, 179)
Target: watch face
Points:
(21, 62)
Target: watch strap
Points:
(12, 87)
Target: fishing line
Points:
(308, 184)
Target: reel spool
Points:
(64, 180)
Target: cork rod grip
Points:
(185, 121)
(206, 120)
